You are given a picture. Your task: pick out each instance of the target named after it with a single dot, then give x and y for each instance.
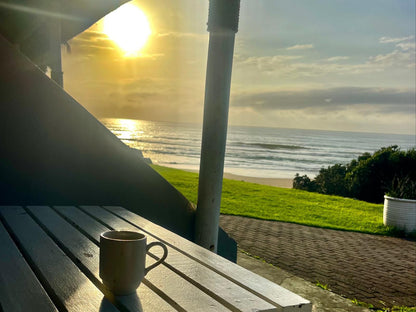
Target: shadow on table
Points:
(131, 302)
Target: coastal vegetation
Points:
(288, 205)
(369, 177)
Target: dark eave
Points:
(27, 23)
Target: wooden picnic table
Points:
(49, 258)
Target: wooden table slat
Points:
(18, 281)
(72, 290)
(49, 260)
(281, 297)
(86, 252)
(210, 282)
(173, 285)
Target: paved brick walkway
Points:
(369, 268)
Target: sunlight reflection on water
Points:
(252, 151)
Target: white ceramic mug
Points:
(123, 258)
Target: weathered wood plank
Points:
(187, 296)
(72, 290)
(18, 281)
(86, 252)
(281, 297)
(82, 221)
(222, 289)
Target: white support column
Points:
(222, 25)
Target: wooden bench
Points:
(49, 262)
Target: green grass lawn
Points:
(288, 205)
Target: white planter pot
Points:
(400, 213)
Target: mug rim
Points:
(123, 235)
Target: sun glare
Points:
(129, 28)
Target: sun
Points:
(129, 28)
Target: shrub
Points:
(304, 183)
(331, 181)
(373, 177)
(368, 178)
(403, 188)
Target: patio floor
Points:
(369, 268)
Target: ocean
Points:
(252, 151)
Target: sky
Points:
(324, 64)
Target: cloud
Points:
(92, 43)
(395, 40)
(291, 66)
(337, 58)
(403, 56)
(406, 46)
(265, 63)
(400, 59)
(380, 99)
(357, 118)
(300, 47)
(182, 34)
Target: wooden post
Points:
(222, 25)
(55, 62)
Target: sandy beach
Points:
(279, 182)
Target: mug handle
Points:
(159, 261)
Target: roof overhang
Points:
(27, 23)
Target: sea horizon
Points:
(253, 151)
(199, 124)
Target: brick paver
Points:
(369, 268)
